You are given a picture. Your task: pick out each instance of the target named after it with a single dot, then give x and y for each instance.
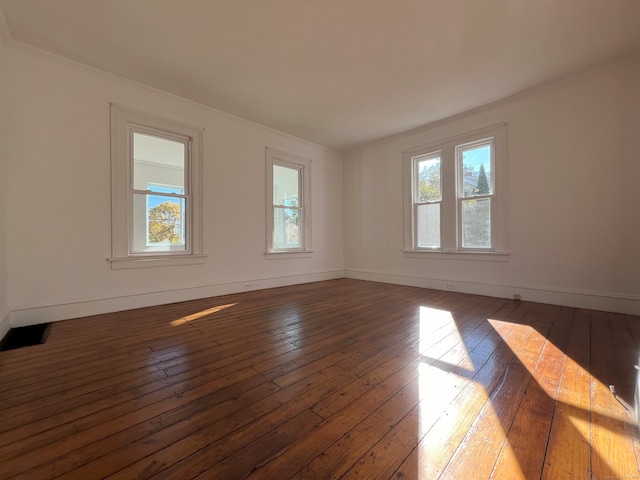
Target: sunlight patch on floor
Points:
(447, 419)
(578, 411)
(432, 319)
(201, 314)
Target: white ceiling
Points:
(335, 72)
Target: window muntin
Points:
(155, 190)
(469, 208)
(288, 203)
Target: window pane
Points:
(428, 228)
(286, 225)
(158, 223)
(476, 223)
(285, 186)
(158, 162)
(476, 171)
(429, 187)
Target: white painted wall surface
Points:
(59, 232)
(4, 304)
(573, 202)
(573, 179)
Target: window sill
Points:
(474, 256)
(288, 254)
(151, 261)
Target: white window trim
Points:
(124, 121)
(285, 159)
(450, 221)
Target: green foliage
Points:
(429, 183)
(483, 184)
(164, 223)
(476, 223)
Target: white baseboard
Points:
(35, 315)
(609, 302)
(5, 323)
(604, 301)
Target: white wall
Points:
(59, 196)
(4, 304)
(573, 179)
(573, 202)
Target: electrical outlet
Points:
(248, 285)
(451, 286)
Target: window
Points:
(288, 203)
(475, 193)
(455, 195)
(155, 190)
(428, 198)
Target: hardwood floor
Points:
(339, 379)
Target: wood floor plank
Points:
(337, 379)
(293, 398)
(295, 457)
(443, 433)
(339, 424)
(612, 452)
(532, 423)
(338, 459)
(372, 362)
(568, 450)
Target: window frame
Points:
(452, 190)
(124, 123)
(303, 166)
(416, 160)
(461, 199)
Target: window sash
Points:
(460, 149)
(184, 248)
(461, 224)
(418, 227)
(437, 232)
(284, 246)
(281, 207)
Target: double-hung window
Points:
(155, 167)
(475, 194)
(288, 203)
(427, 193)
(455, 194)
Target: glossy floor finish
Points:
(338, 379)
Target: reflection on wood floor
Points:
(336, 379)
